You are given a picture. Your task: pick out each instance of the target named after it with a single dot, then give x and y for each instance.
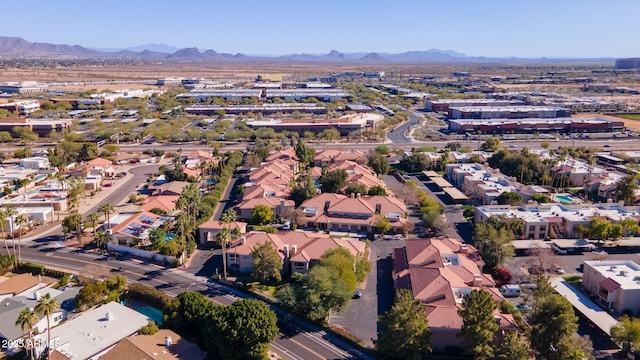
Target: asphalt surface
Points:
(399, 134)
(297, 339)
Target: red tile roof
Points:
(609, 284)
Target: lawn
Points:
(635, 117)
(267, 289)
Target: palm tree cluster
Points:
(28, 318)
(9, 213)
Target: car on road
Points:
(405, 176)
(523, 307)
(107, 185)
(357, 294)
(606, 145)
(558, 269)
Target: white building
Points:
(94, 332)
(615, 283)
(36, 162)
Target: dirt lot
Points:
(633, 125)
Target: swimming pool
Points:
(151, 312)
(564, 199)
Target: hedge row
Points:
(147, 294)
(212, 198)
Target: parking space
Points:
(361, 317)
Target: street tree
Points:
(188, 310)
(478, 324)
(341, 261)
(491, 144)
(107, 209)
(93, 218)
(224, 235)
(242, 330)
(71, 224)
(20, 220)
(627, 333)
(404, 329)
(267, 265)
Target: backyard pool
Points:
(564, 199)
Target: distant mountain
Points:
(15, 47)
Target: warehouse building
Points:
(443, 105)
(507, 112)
(535, 125)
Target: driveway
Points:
(361, 316)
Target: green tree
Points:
(71, 224)
(188, 310)
(304, 153)
(91, 295)
(107, 209)
(552, 322)
(267, 265)
(404, 330)
(157, 237)
(46, 307)
(491, 144)
(25, 133)
(150, 329)
(341, 261)
(478, 324)
(415, 162)
(102, 238)
(88, 151)
(355, 189)
(304, 190)
(540, 198)
(20, 220)
(329, 134)
(378, 163)
(513, 347)
(224, 235)
(494, 245)
(509, 198)
(333, 181)
(5, 137)
(377, 190)
(261, 214)
(242, 330)
(382, 224)
(26, 320)
(93, 218)
(627, 333)
(626, 189)
(382, 149)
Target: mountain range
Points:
(15, 47)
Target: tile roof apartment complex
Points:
(439, 272)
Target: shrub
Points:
(502, 276)
(149, 329)
(34, 269)
(149, 295)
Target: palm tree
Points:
(50, 177)
(93, 219)
(9, 212)
(26, 319)
(101, 238)
(47, 306)
(227, 218)
(107, 209)
(3, 217)
(20, 220)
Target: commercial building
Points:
(628, 64)
(23, 88)
(345, 125)
(535, 125)
(507, 112)
(25, 107)
(299, 94)
(42, 127)
(443, 105)
(544, 220)
(440, 272)
(227, 94)
(265, 109)
(616, 284)
(328, 157)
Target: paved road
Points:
(613, 145)
(297, 339)
(399, 134)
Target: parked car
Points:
(510, 290)
(523, 307)
(357, 294)
(558, 269)
(107, 185)
(286, 226)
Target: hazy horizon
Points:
(546, 28)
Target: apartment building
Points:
(615, 283)
(346, 124)
(355, 213)
(298, 250)
(440, 272)
(540, 218)
(327, 157)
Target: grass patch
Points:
(635, 117)
(267, 289)
(572, 279)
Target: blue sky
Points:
(551, 28)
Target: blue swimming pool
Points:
(153, 313)
(564, 199)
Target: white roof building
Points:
(616, 283)
(94, 332)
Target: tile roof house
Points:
(267, 185)
(354, 213)
(163, 345)
(208, 230)
(439, 272)
(200, 155)
(299, 250)
(326, 157)
(170, 188)
(166, 203)
(21, 284)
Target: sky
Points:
(491, 28)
